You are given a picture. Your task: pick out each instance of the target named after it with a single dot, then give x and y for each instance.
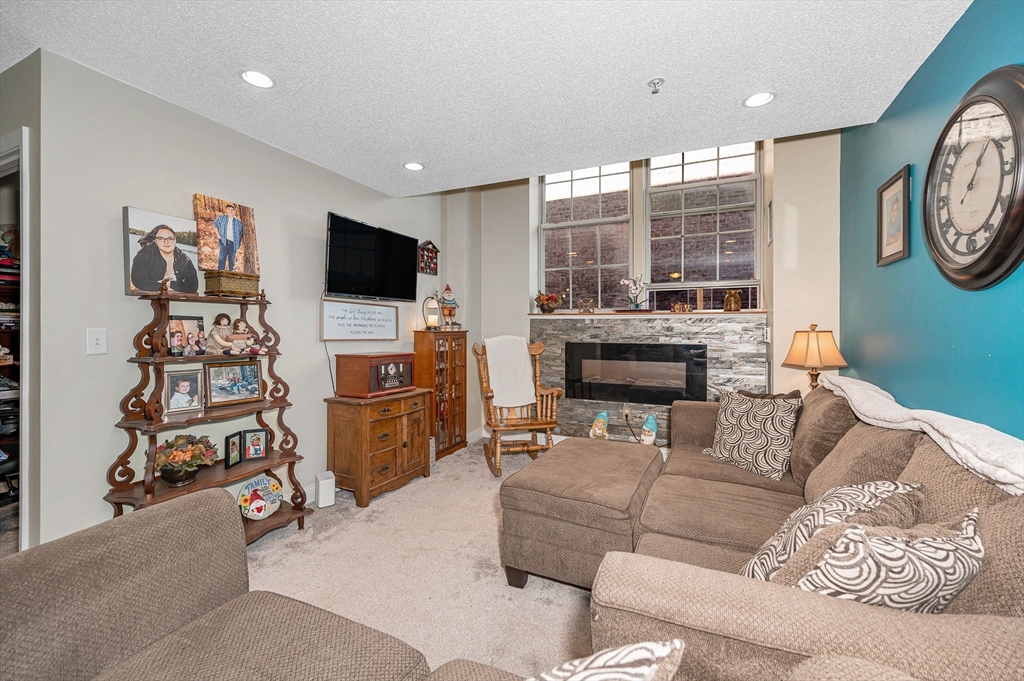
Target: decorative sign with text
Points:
(341, 320)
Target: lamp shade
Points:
(814, 350)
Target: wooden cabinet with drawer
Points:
(375, 445)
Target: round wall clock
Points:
(974, 191)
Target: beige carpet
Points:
(421, 563)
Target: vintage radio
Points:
(373, 375)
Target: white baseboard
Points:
(475, 435)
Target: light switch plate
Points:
(95, 341)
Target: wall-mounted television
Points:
(364, 261)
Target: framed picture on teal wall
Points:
(894, 218)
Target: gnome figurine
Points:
(649, 431)
(599, 430)
(448, 307)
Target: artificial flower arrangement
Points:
(185, 453)
(636, 290)
(548, 300)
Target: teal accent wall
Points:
(903, 326)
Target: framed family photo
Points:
(227, 235)
(154, 245)
(183, 391)
(894, 218)
(232, 449)
(233, 383)
(186, 336)
(257, 443)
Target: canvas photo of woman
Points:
(158, 248)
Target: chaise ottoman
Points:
(581, 499)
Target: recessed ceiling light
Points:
(760, 99)
(413, 165)
(258, 79)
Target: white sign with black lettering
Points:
(343, 320)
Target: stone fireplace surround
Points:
(737, 358)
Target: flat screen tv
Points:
(369, 262)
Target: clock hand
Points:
(977, 167)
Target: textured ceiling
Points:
(483, 92)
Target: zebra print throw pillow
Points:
(755, 434)
(652, 661)
(834, 506)
(919, 575)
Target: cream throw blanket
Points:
(510, 370)
(986, 452)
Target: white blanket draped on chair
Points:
(511, 372)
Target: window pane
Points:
(662, 177)
(586, 172)
(702, 155)
(748, 298)
(663, 299)
(736, 253)
(615, 244)
(670, 160)
(556, 202)
(697, 172)
(557, 281)
(672, 226)
(738, 193)
(701, 253)
(584, 246)
(586, 203)
(734, 167)
(701, 197)
(736, 220)
(615, 168)
(556, 247)
(701, 223)
(613, 294)
(584, 285)
(736, 149)
(666, 258)
(665, 202)
(615, 195)
(558, 177)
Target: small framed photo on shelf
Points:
(894, 218)
(232, 449)
(183, 391)
(257, 443)
(186, 336)
(233, 383)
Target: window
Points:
(585, 235)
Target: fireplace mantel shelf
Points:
(645, 315)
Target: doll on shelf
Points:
(244, 341)
(219, 341)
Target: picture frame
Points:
(233, 455)
(346, 320)
(230, 383)
(144, 233)
(255, 444)
(893, 217)
(189, 399)
(179, 328)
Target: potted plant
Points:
(179, 459)
(547, 302)
(635, 291)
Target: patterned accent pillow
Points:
(837, 505)
(651, 661)
(914, 573)
(755, 434)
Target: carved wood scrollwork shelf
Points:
(143, 417)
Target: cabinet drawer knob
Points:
(405, 444)
(384, 469)
(414, 404)
(383, 436)
(384, 410)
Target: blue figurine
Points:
(649, 431)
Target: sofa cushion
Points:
(755, 434)
(824, 419)
(920, 569)
(711, 556)
(647, 661)
(838, 668)
(691, 461)
(737, 516)
(265, 635)
(950, 490)
(837, 505)
(464, 670)
(864, 454)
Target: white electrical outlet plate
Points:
(95, 341)
(627, 412)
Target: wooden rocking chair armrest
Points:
(557, 392)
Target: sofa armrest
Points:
(735, 627)
(78, 605)
(693, 423)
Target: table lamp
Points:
(431, 312)
(814, 350)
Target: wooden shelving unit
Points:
(144, 419)
(440, 365)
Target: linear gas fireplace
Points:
(636, 372)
